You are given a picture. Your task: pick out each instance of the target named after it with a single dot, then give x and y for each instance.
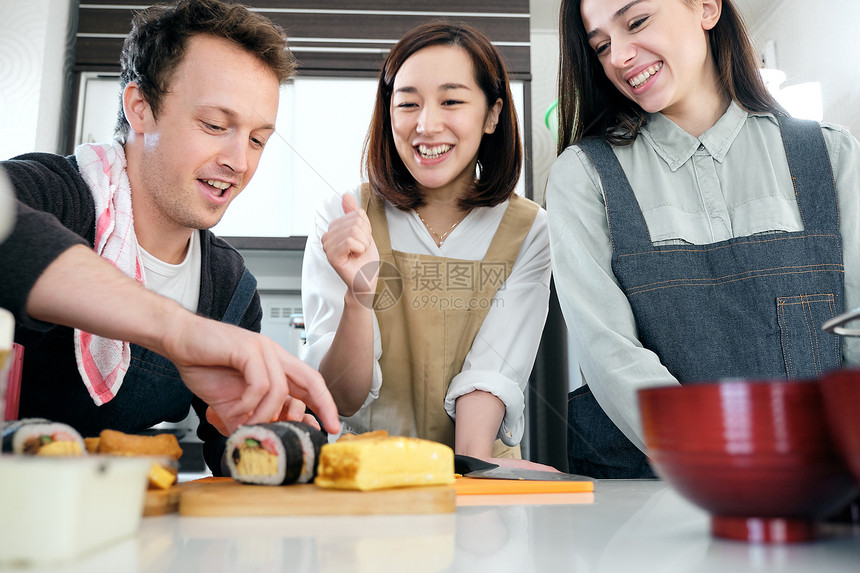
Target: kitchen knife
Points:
(474, 468)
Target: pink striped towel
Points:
(103, 362)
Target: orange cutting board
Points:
(226, 497)
(479, 486)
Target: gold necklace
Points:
(441, 238)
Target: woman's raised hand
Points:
(350, 250)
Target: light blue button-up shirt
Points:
(732, 181)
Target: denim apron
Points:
(150, 373)
(746, 307)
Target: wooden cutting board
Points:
(226, 497)
(161, 501)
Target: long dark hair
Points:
(500, 153)
(589, 105)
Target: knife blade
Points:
(468, 466)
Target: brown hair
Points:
(500, 153)
(589, 105)
(159, 36)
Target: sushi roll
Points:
(279, 453)
(41, 437)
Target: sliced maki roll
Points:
(41, 437)
(279, 453)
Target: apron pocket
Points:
(807, 350)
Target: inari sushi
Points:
(279, 453)
(40, 437)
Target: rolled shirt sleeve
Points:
(53, 212)
(37, 239)
(503, 353)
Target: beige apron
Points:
(429, 310)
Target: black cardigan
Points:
(55, 211)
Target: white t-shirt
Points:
(178, 282)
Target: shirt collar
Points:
(675, 146)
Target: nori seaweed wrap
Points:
(280, 453)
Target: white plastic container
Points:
(58, 509)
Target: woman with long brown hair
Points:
(697, 231)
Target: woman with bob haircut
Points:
(426, 290)
(698, 232)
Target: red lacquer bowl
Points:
(755, 454)
(841, 391)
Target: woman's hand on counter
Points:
(522, 464)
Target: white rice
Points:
(260, 434)
(29, 428)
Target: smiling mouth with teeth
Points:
(433, 152)
(221, 186)
(643, 76)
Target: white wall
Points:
(544, 88)
(818, 42)
(544, 61)
(33, 36)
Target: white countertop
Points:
(625, 526)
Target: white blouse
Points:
(504, 350)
